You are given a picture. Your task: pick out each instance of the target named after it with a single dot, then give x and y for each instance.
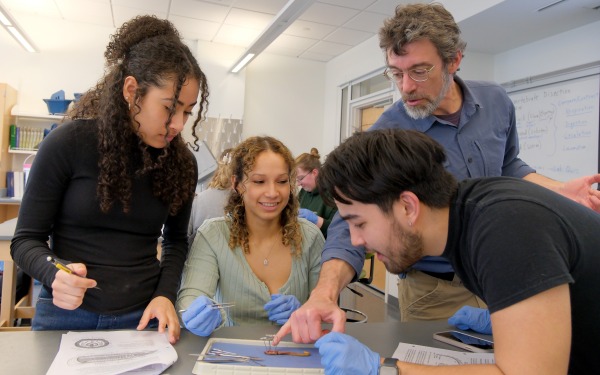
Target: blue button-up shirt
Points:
(485, 143)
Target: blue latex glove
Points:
(343, 354)
(200, 318)
(280, 307)
(308, 215)
(474, 318)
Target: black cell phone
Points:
(465, 341)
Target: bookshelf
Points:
(32, 127)
(8, 98)
(13, 158)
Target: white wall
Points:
(37, 75)
(569, 49)
(285, 99)
(226, 90)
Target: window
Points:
(372, 90)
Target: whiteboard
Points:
(558, 126)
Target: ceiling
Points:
(326, 29)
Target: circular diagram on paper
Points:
(91, 343)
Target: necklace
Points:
(266, 260)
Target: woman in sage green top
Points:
(261, 256)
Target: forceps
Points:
(223, 305)
(267, 339)
(215, 355)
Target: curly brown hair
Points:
(150, 50)
(243, 159)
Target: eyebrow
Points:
(264, 175)
(414, 66)
(349, 217)
(180, 102)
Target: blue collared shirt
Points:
(484, 144)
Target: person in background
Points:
(260, 256)
(211, 202)
(529, 253)
(104, 185)
(475, 123)
(312, 207)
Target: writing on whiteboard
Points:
(558, 126)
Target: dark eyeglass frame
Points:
(397, 75)
(299, 180)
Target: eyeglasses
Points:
(299, 179)
(417, 74)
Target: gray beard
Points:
(424, 111)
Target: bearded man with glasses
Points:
(475, 123)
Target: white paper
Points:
(426, 355)
(113, 352)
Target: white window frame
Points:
(355, 106)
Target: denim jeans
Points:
(50, 317)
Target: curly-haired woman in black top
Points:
(106, 185)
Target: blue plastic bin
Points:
(57, 107)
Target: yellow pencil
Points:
(58, 264)
(61, 266)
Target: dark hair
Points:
(374, 167)
(150, 50)
(309, 161)
(412, 22)
(243, 159)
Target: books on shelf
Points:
(25, 137)
(15, 184)
(10, 184)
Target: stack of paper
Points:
(426, 355)
(113, 352)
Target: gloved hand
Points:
(201, 318)
(474, 318)
(308, 215)
(280, 307)
(344, 355)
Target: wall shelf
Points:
(35, 116)
(22, 151)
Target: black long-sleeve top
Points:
(60, 216)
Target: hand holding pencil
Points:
(70, 285)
